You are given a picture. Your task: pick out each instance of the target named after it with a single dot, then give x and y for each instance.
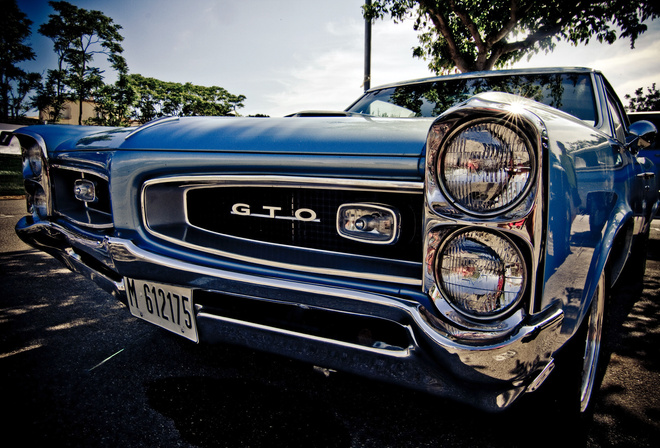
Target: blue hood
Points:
(306, 135)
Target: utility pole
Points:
(367, 50)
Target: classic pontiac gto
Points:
(458, 235)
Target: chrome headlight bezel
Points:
(520, 220)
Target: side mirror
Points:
(643, 134)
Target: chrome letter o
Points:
(311, 214)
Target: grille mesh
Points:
(97, 213)
(211, 209)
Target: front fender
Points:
(590, 217)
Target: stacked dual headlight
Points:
(481, 178)
(35, 177)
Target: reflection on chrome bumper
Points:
(384, 337)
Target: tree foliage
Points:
(78, 35)
(15, 83)
(113, 103)
(644, 102)
(135, 98)
(473, 35)
(158, 98)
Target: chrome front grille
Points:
(285, 222)
(277, 223)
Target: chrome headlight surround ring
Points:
(491, 160)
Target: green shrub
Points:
(11, 176)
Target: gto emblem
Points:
(302, 214)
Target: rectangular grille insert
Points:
(276, 207)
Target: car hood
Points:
(305, 135)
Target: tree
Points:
(475, 35)
(135, 98)
(644, 102)
(113, 103)
(78, 35)
(24, 84)
(156, 98)
(53, 92)
(15, 83)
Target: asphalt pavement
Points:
(77, 370)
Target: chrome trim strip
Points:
(127, 252)
(296, 267)
(291, 182)
(81, 170)
(391, 353)
(87, 224)
(538, 381)
(599, 100)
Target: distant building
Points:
(70, 113)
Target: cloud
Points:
(327, 78)
(332, 79)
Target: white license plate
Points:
(169, 307)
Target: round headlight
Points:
(482, 274)
(486, 167)
(38, 200)
(32, 158)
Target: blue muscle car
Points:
(459, 235)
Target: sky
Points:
(291, 55)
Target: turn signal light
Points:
(369, 223)
(84, 190)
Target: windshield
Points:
(569, 92)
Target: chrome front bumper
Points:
(489, 374)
